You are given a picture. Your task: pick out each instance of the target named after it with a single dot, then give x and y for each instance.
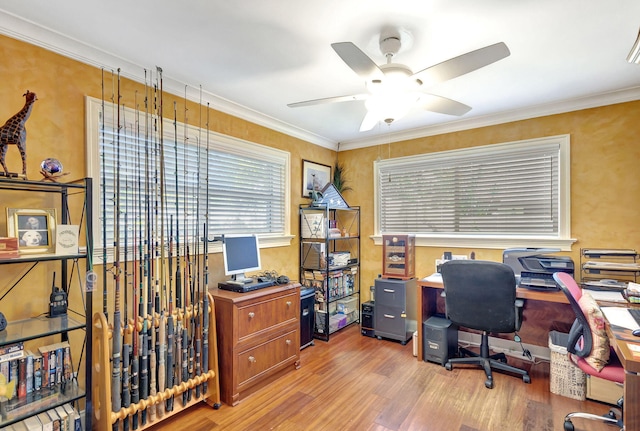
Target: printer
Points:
(534, 268)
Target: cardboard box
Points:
(603, 390)
(313, 225)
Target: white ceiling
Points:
(253, 57)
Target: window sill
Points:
(563, 244)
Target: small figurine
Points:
(14, 132)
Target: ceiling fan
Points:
(393, 89)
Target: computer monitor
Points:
(241, 254)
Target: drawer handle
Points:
(288, 342)
(390, 290)
(252, 315)
(288, 304)
(252, 359)
(390, 316)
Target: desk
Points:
(631, 364)
(429, 291)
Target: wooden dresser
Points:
(258, 338)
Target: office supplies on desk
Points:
(607, 296)
(620, 316)
(534, 269)
(245, 287)
(435, 277)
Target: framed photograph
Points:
(34, 228)
(314, 177)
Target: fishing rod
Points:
(173, 329)
(205, 296)
(178, 279)
(198, 339)
(187, 260)
(126, 347)
(145, 297)
(116, 336)
(137, 275)
(162, 308)
(104, 204)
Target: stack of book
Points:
(63, 418)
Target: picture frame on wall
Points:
(34, 228)
(315, 176)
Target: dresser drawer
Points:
(255, 362)
(263, 315)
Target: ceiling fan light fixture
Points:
(634, 54)
(397, 78)
(390, 107)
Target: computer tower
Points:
(367, 319)
(307, 301)
(440, 340)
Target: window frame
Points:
(234, 146)
(562, 241)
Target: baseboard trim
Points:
(508, 347)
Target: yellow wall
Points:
(604, 156)
(56, 129)
(605, 185)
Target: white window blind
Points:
(247, 182)
(512, 190)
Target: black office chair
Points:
(481, 295)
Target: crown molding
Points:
(24, 30)
(577, 104)
(21, 29)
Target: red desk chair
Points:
(588, 346)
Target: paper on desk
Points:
(603, 295)
(620, 316)
(435, 277)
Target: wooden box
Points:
(8, 248)
(398, 256)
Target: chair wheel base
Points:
(488, 383)
(568, 426)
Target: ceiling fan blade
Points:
(463, 64)
(442, 105)
(357, 60)
(328, 100)
(369, 121)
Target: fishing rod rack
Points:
(105, 418)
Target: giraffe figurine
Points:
(14, 132)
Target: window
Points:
(233, 185)
(496, 196)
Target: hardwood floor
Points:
(360, 383)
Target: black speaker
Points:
(367, 319)
(439, 340)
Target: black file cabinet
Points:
(395, 315)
